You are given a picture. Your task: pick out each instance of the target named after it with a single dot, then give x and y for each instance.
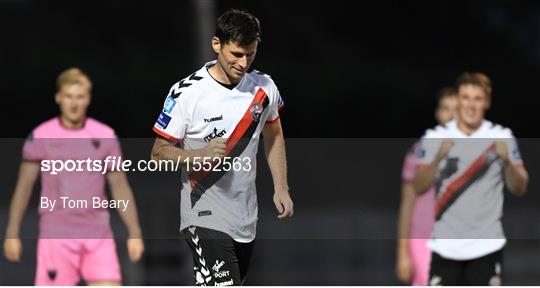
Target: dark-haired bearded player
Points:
(219, 112)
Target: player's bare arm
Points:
(274, 147)
(165, 149)
(121, 190)
(28, 174)
(425, 175)
(404, 267)
(515, 175)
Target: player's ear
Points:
(89, 98)
(488, 102)
(57, 98)
(216, 44)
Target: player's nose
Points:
(242, 62)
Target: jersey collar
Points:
(475, 134)
(215, 83)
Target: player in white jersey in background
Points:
(212, 121)
(416, 212)
(469, 160)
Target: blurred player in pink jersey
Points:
(417, 213)
(74, 241)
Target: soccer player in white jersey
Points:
(415, 221)
(211, 121)
(469, 160)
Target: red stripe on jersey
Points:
(235, 136)
(165, 135)
(244, 123)
(462, 180)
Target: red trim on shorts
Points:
(165, 135)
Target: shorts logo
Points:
(96, 143)
(435, 280)
(226, 283)
(51, 274)
(169, 105)
(214, 134)
(163, 120)
(256, 110)
(218, 265)
(495, 281)
(221, 274)
(218, 273)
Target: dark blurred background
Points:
(346, 69)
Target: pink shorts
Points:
(421, 260)
(65, 261)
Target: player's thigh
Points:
(243, 253)
(99, 263)
(214, 256)
(487, 270)
(58, 262)
(445, 271)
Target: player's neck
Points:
(72, 125)
(217, 72)
(468, 129)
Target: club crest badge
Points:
(96, 143)
(256, 111)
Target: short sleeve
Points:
(34, 149)
(409, 164)
(513, 150)
(114, 148)
(429, 146)
(275, 106)
(172, 120)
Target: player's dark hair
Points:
(476, 79)
(446, 92)
(239, 27)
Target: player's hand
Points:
(284, 204)
(214, 148)
(135, 249)
(446, 145)
(501, 149)
(13, 249)
(404, 269)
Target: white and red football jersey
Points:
(469, 187)
(198, 109)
